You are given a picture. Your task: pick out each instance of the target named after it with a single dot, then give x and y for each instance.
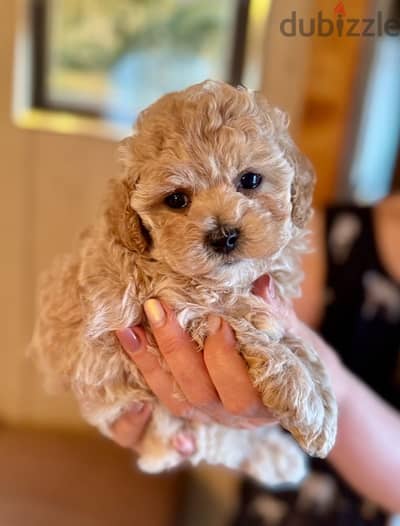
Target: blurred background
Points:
(74, 75)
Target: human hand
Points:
(128, 429)
(214, 384)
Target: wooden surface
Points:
(63, 479)
(314, 79)
(323, 129)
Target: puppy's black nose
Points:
(223, 240)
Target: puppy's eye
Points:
(250, 180)
(177, 200)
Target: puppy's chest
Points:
(242, 310)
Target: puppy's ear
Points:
(122, 222)
(304, 175)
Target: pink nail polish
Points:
(184, 443)
(129, 340)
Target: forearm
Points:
(367, 449)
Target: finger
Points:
(255, 423)
(161, 382)
(229, 372)
(128, 429)
(264, 287)
(182, 356)
(185, 443)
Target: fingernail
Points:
(129, 340)
(184, 444)
(154, 312)
(136, 408)
(214, 323)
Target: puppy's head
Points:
(214, 186)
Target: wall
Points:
(42, 175)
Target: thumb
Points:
(264, 287)
(128, 429)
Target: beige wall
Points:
(50, 187)
(287, 61)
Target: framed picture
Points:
(112, 58)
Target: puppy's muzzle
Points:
(223, 239)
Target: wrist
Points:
(337, 372)
(340, 377)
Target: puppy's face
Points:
(212, 182)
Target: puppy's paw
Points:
(165, 444)
(156, 463)
(318, 437)
(277, 461)
(294, 385)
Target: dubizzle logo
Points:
(340, 9)
(340, 25)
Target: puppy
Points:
(213, 194)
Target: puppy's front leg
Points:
(323, 442)
(290, 376)
(294, 385)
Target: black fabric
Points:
(367, 339)
(362, 322)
